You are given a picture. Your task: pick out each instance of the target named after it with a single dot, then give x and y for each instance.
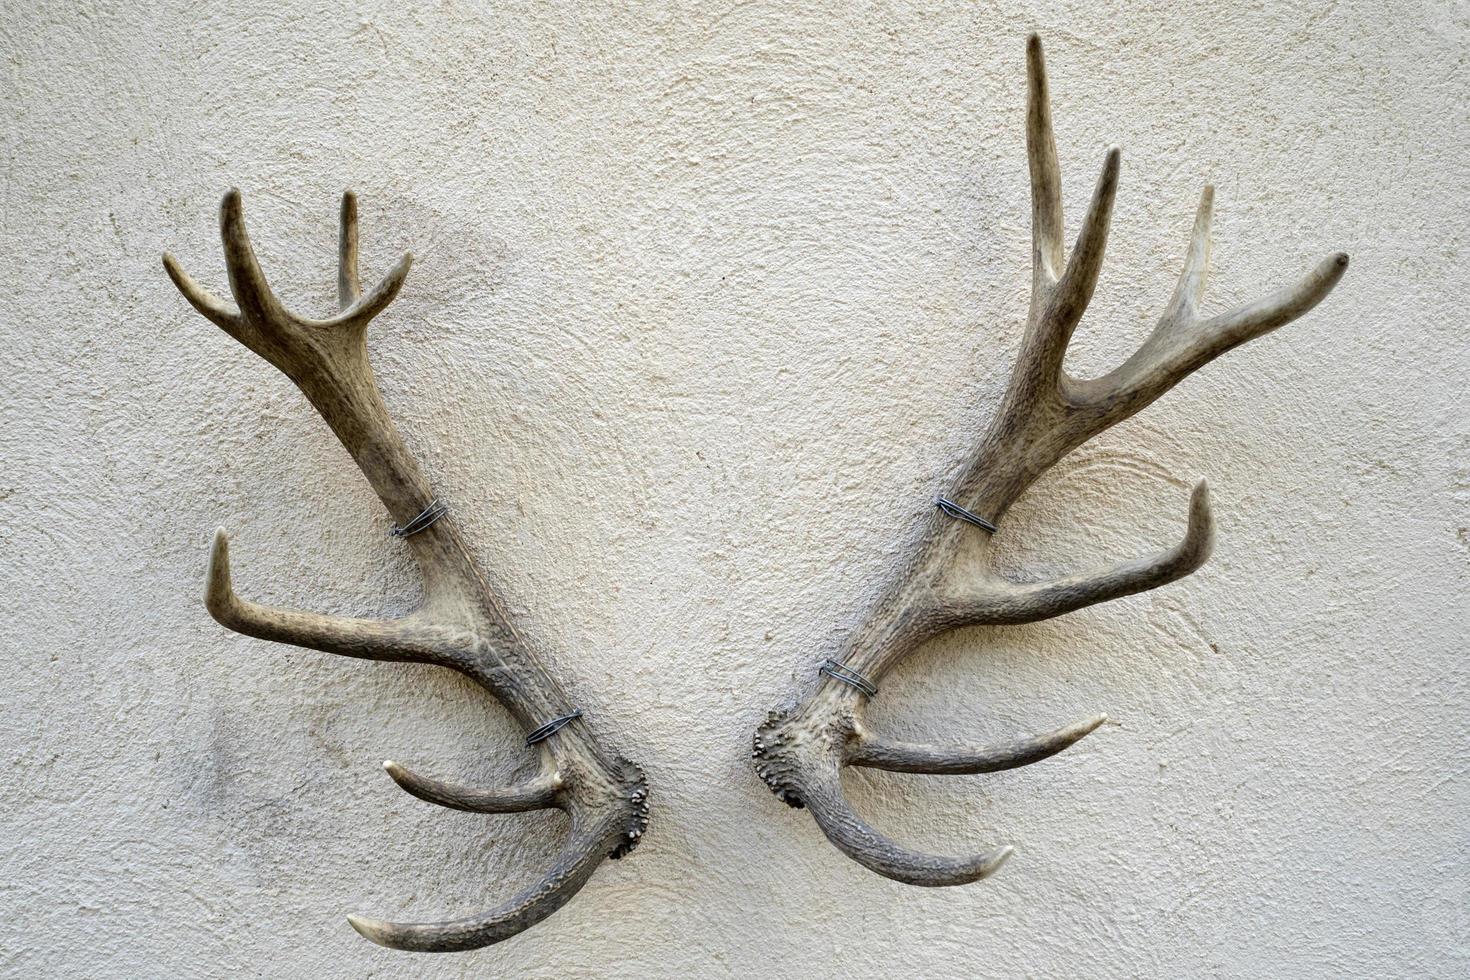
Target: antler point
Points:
(219, 589)
(372, 929)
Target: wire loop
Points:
(543, 732)
(846, 675)
(956, 511)
(429, 515)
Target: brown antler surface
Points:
(948, 583)
(461, 623)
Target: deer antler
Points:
(1044, 415)
(462, 624)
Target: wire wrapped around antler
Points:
(461, 623)
(1044, 415)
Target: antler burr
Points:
(461, 624)
(949, 583)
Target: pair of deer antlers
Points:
(946, 584)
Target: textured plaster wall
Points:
(710, 300)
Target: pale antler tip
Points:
(373, 929)
(1199, 502)
(206, 303)
(177, 275)
(397, 773)
(1199, 537)
(997, 857)
(1071, 736)
(219, 589)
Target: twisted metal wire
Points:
(846, 675)
(542, 732)
(427, 516)
(956, 511)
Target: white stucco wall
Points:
(709, 301)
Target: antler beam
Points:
(949, 582)
(462, 624)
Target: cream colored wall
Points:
(709, 301)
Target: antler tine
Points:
(1195, 274)
(358, 310)
(1183, 342)
(410, 640)
(1074, 289)
(584, 851)
(1061, 287)
(949, 583)
(876, 852)
(539, 793)
(461, 623)
(1179, 347)
(349, 286)
(1058, 305)
(259, 316)
(262, 322)
(967, 760)
(253, 295)
(1046, 172)
(996, 602)
(210, 306)
(366, 307)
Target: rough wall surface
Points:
(709, 301)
